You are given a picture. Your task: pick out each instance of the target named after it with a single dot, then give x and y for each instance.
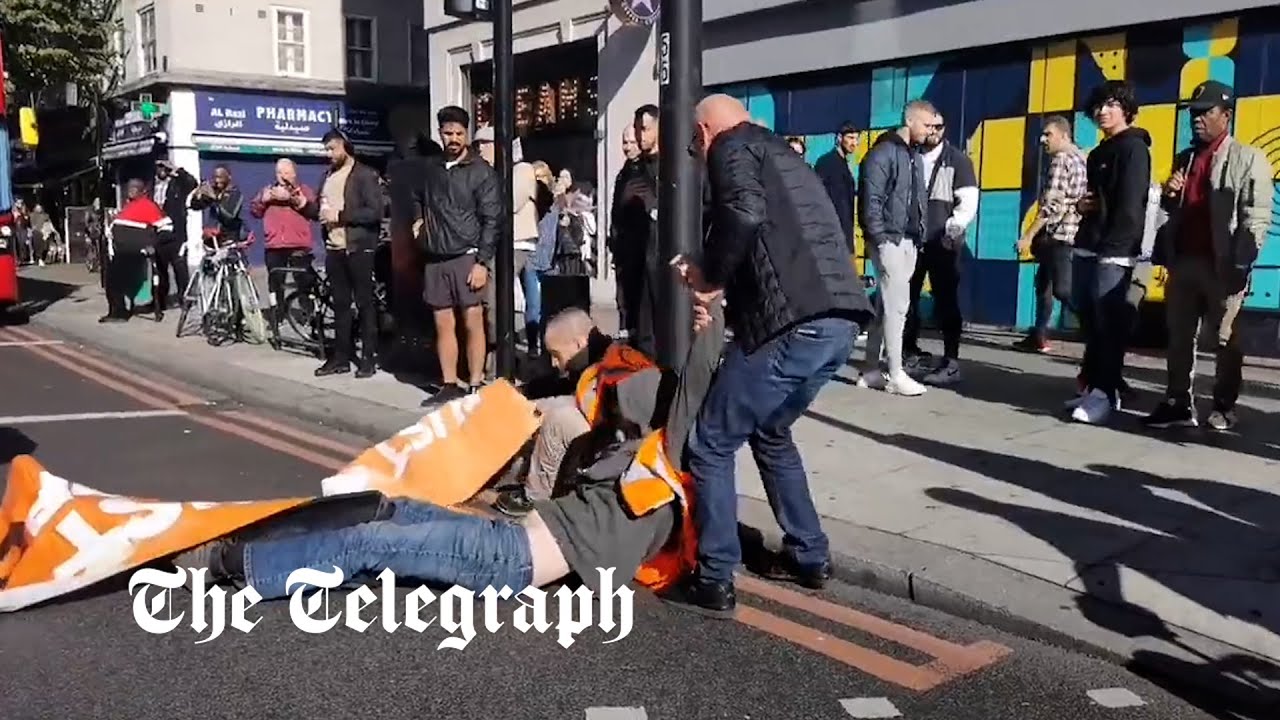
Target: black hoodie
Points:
(1119, 178)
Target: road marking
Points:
(617, 713)
(866, 708)
(1116, 698)
(28, 343)
(950, 660)
(74, 417)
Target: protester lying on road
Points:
(574, 344)
(627, 511)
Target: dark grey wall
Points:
(754, 39)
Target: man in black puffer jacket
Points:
(776, 254)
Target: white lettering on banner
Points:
(310, 612)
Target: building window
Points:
(147, 39)
(361, 51)
(291, 41)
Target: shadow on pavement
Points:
(1201, 535)
(14, 442)
(39, 294)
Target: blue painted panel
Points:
(998, 222)
(994, 292)
(1251, 63)
(1264, 290)
(819, 109)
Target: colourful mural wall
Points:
(994, 100)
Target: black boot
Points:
(784, 568)
(714, 598)
(533, 338)
(335, 366)
(367, 368)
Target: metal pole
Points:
(504, 131)
(680, 178)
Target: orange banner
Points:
(57, 536)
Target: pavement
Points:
(845, 652)
(1158, 550)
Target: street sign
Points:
(636, 12)
(664, 59)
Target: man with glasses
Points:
(951, 197)
(1219, 201)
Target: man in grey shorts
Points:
(457, 210)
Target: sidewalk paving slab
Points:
(1159, 549)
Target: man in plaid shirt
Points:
(1051, 236)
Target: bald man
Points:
(290, 236)
(776, 253)
(573, 344)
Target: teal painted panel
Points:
(815, 146)
(999, 212)
(918, 78)
(888, 95)
(1086, 131)
(1264, 290)
(1026, 316)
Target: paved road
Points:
(843, 653)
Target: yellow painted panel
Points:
(1161, 121)
(1002, 150)
(861, 265)
(1194, 72)
(1027, 219)
(1155, 288)
(1258, 124)
(1223, 37)
(1109, 53)
(1053, 78)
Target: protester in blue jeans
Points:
(777, 256)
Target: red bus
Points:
(8, 238)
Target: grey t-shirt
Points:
(594, 530)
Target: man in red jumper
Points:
(290, 235)
(134, 232)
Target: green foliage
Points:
(48, 43)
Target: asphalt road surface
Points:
(838, 654)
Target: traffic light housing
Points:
(479, 10)
(27, 124)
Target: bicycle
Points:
(307, 309)
(227, 299)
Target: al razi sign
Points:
(264, 116)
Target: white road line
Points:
(1115, 698)
(617, 713)
(870, 707)
(28, 343)
(73, 417)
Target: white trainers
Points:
(903, 384)
(873, 379)
(1094, 409)
(946, 374)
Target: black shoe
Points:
(447, 393)
(515, 503)
(784, 568)
(1171, 413)
(112, 319)
(333, 367)
(706, 597)
(366, 369)
(474, 389)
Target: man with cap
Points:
(1219, 201)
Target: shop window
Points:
(361, 48)
(147, 39)
(290, 42)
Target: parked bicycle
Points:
(307, 309)
(224, 294)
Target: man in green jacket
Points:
(1219, 202)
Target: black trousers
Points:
(350, 274)
(276, 258)
(167, 259)
(942, 265)
(125, 274)
(1053, 281)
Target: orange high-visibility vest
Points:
(653, 482)
(619, 362)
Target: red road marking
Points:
(950, 661)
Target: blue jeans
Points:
(1100, 294)
(755, 399)
(419, 541)
(531, 284)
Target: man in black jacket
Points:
(776, 254)
(1108, 244)
(350, 214)
(633, 222)
(458, 207)
(172, 186)
(837, 176)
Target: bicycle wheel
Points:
(254, 323)
(299, 312)
(219, 320)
